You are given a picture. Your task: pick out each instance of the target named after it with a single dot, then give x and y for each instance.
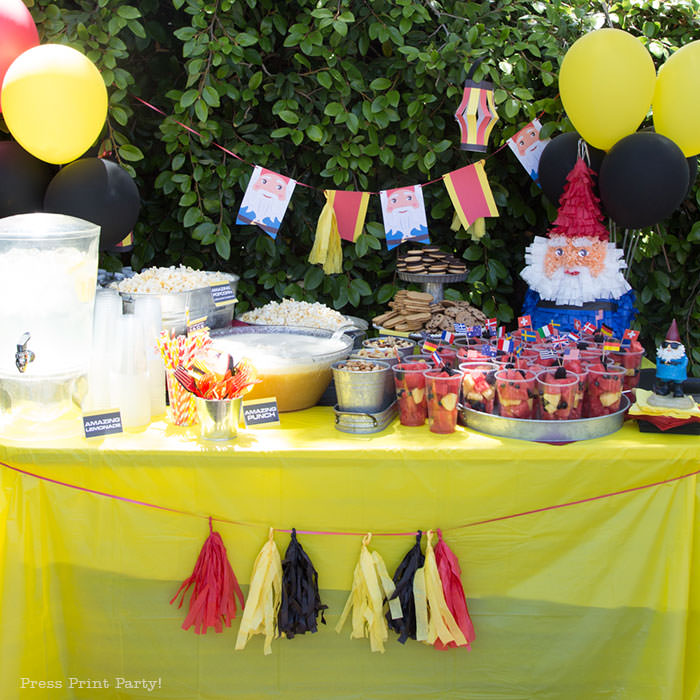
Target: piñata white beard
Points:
(574, 290)
(668, 354)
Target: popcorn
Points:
(296, 313)
(155, 280)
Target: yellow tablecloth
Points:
(599, 599)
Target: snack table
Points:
(580, 567)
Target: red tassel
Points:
(216, 588)
(451, 578)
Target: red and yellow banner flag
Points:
(470, 193)
(343, 216)
(350, 211)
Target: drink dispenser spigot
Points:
(23, 356)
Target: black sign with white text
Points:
(261, 412)
(102, 423)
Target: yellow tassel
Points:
(478, 229)
(326, 248)
(264, 597)
(371, 584)
(433, 618)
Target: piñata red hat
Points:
(579, 210)
(672, 335)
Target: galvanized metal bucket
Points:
(367, 392)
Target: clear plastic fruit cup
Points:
(409, 381)
(631, 360)
(479, 385)
(604, 390)
(517, 393)
(557, 390)
(443, 396)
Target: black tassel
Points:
(403, 580)
(301, 602)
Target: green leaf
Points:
(324, 79)
(379, 84)
(245, 39)
(188, 98)
(130, 152)
(255, 80)
(313, 278)
(223, 246)
(201, 110)
(128, 12)
(289, 116)
(362, 287)
(192, 216)
(386, 292)
(315, 133)
(211, 96)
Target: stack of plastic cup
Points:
(129, 390)
(148, 310)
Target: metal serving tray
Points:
(358, 422)
(545, 430)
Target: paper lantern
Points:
(476, 114)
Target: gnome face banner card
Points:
(528, 147)
(265, 200)
(403, 211)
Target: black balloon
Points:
(23, 180)
(692, 173)
(558, 158)
(99, 191)
(643, 179)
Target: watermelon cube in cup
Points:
(443, 396)
(479, 385)
(516, 390)
(409, 380)
(604, 390)
(557, 390)
(631, 359)
(580, 370)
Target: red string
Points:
(302, 184)
(355, 534)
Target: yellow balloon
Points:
(54, 102)
(606, 83)
(676, 103)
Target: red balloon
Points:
(18, 33)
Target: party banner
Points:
(350, 210)
(470, 193)
(265, 200)
(528, 146)
(403, 211)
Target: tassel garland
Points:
(405, 626)
(371, 587)
(451, 577)
(301, 601)
(434, 621)
(214, 588)
(326, 248)
(264, 597)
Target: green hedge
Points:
(354, 95)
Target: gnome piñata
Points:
(576, 272)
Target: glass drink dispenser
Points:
(48, 277)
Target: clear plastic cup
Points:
(631, 360)
(557, 394)
(603, 391)
(479, 385)
(443, 397)
(409, 381)
(517, 393)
